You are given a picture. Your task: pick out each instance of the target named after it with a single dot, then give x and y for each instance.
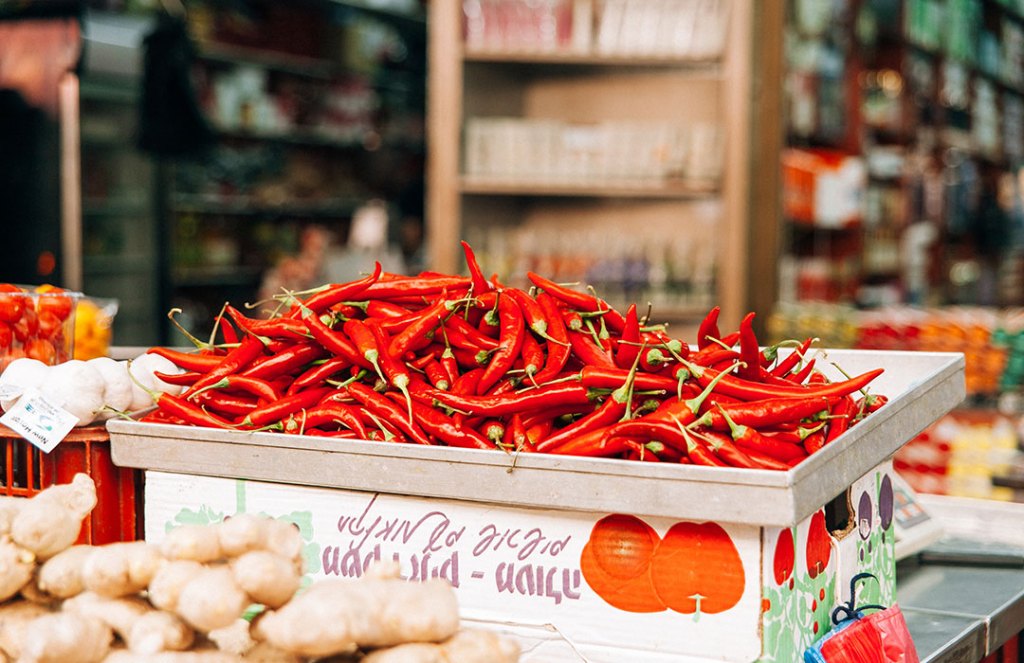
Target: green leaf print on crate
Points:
(301, 519)
(799, 589)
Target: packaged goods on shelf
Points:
(526, 151)
(823, 188)
(980, 333)
(678, 28)
(960, 454)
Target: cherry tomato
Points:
(54, 300)
(26, 326)
(6, 336)
(41, 349)
(49, 324)
(11, 305)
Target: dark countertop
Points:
(961, 610)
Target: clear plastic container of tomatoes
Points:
(37, 322)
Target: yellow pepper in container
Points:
(94, 327)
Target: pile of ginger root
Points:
(187, 598)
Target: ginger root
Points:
(14, 618)
(268, 579)
(466, 646)
(17, 567)
(120, 569)
(61, 575)
(337, 616)
(66, 637)
(166, 585)
(212, 599)
(51, 520)
(143, 628)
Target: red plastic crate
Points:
(25, 470)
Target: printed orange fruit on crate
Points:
(696, 569)
(616, 563)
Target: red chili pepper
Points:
(257, 387)
(227, 405)
(395, 371)
(533, 313)
(186, 379)
(235, 361)
(191, 413)
(558, 348)
(840, 418)
(588, 351)
(580, 301)
(683, 412)
(595, 443)
(416, 332)
(652, 359)
(284, 363)
(363, 338)
(747, 390)
(724, 449)
(745, 436)
(465, 335)
(614, 408)
(446, 429)
(480, 284)
(723, 446)
(545, 396)
(708, 332)
(278, 410)
(714, 356)
(804, 373)
(764, 413)
(786, 365)
(317, 374)
(595, 377)
(510, 342)
(388, 411)
(381, 308)
(330, 412)
(814, 442)
(436, 375)
(750, 350)
(227, 330)
(493, 431)
(287, 328)
(870, 403)
(628, 348)
(516, 438)
(332, 294)
(705, 356)
(413, 289)
(190, 361)
(532, 355)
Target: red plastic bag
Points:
(879, 637)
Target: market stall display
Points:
(607, 550)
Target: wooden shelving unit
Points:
(587, 88)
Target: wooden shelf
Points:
(613, 188)
(593, 88)
(711, 66)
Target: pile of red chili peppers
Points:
(465, 361)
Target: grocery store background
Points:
(848, 169)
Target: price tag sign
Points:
(39, 421)
(9, 392)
